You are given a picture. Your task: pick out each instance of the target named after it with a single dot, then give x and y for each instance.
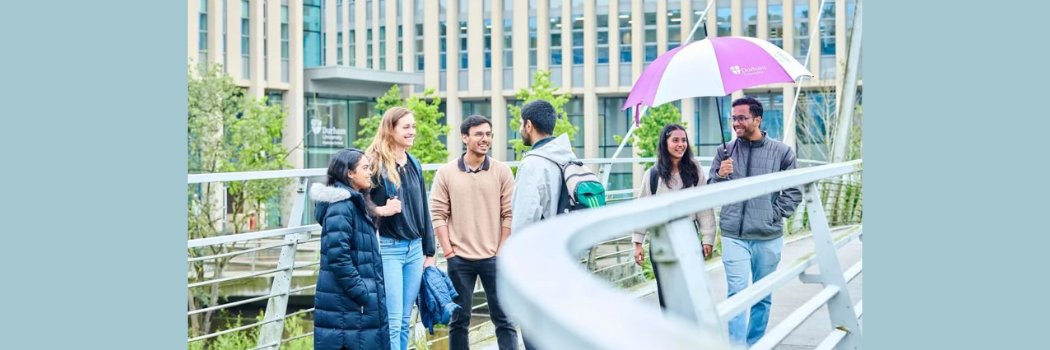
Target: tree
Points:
(647, 136)
(427, 147)
(541, 90)
(228, 132)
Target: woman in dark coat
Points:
(349, 303)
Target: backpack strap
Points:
(415, 161)
(563, 198)
(388, 186)
(652, 181)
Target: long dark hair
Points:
(688, 168)
(345, 160)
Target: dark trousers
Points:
(656, 274)
(464, 274)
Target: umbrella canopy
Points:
(713, 67)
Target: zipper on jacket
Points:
(747, 172)
(362, 309)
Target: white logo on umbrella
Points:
(735, 69)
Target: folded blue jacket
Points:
(436, 302)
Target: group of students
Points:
(380, 228)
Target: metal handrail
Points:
(240, 237)
(567, 308)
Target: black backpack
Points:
(653, 180)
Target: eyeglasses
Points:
(740, 118)
(482, 135)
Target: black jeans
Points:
(464, 274)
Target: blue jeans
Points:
(747, 262)
(402, 275)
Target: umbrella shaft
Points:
(696, 26)
(718, 104)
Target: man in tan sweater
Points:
(470, 206)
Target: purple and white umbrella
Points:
(713, 67)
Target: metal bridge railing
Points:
(560, 306)
(296, 239)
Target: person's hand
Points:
(429, 261)
(392, 207)
(639, 254)
(725, 168)
(708, 249)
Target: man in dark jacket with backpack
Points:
(752, 230)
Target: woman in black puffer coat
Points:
(349, 303)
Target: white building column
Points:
(257, 85)
(294, 98)
(233, 41)
(499, 103)
(590, 98)
(193, 37)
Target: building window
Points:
(775, 20)
(828, 66)
(463, 54)
(488, 43)
(368, 35)
(611, 122)
(602, 37)
(339, 48)
(444, 45)
(533, 34)
(674, 25)
(751, 18)
(339, 32)
(337, 122)
(577, 34)
(420, 62)
(574, 110)
(225, 65)
(851, 6)
(650, 31)
(400, 48)
(202, 36)
(382, 47)
(508, 57)
(709, 135)
(464, 13)
(353, 48)
(266, 44)
(312, 38)
(555, 30)
(512, 133)
(284, 43)
(801, 30)
(625, 32)
(725, 18)
(353, 34)
(698, 9)
(246, 43)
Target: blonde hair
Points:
(381, 152)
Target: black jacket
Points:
(350, 299)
